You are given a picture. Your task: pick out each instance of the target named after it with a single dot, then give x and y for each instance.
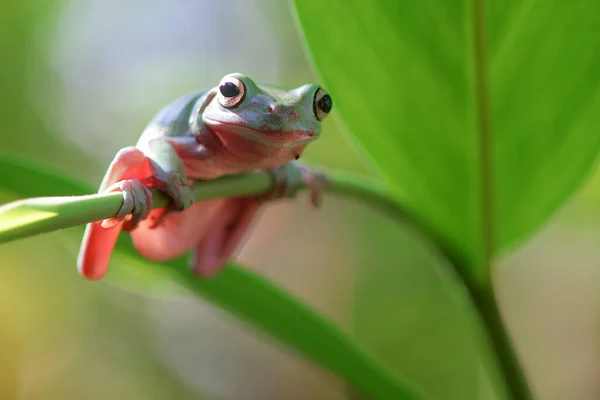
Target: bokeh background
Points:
(80, 79)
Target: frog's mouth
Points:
(267, 137)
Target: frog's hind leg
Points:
(100, 237)
(224, 236)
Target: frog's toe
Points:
(142, 198)
(317, 182)
(187, 197)
(180, 190)
(292, 177)
(287, 180)
(137, 201)
(126, 188)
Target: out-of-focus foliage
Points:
(406, 78)
(415, 107)
(27, 84)
(80, 79)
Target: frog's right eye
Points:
(231, 92)
(322, 104)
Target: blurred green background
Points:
(80, 80)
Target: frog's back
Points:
(173, 120)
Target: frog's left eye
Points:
(231, 92)
(322, 104)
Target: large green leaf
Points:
(483, 143)
(413, 313)
(241, 292)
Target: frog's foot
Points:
(137, 201)
(292, 177)
(179, 190)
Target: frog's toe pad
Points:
(316, 182)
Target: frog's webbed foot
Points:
(137, 201)
(168, 174)
(292, 177)
(178, 188)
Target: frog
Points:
(235, 127)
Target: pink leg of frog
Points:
(228, 228)
(226, 232)
(212, 229)
(125, 173)
(131, 173)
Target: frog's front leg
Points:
(168, 173)
(292, 177)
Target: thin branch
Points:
(30, 217)
(34, 216)
(480, 288)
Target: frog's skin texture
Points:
(235, 127)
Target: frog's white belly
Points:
(178, 232)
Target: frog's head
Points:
(265, 118)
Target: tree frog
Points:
(236, 127)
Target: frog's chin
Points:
(282, 139)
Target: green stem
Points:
(29, 217)
(480, 288)
(483, 299)
(499, 338)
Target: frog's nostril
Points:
(294, 116)
(270, 108)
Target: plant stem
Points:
(29, 217)
(480, 287)
(499, 338)
(483, 298)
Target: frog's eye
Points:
(231, 92)
(322, 104)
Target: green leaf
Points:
(430, 338)
(239, 291)
(483, 146)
